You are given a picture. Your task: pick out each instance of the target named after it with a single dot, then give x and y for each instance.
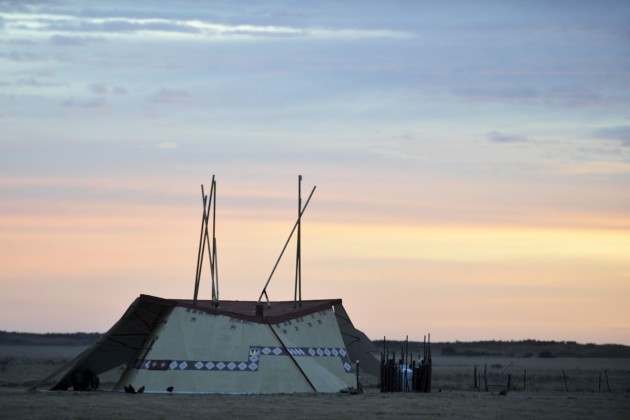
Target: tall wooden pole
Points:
(264, 290)
(204, 220)
(297, 294)
(209, 205)
(214, 270)
(211, 196)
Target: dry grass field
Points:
(453, 396)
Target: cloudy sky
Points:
(472, 160)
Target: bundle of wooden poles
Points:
(405, 373)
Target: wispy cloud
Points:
(171, 95)
(103, 89)
(565, 96)
(397, 147)
(167, 145)
(22, 6)
(120, 25)
(20, 56)
(96, 103)
(517, 93)
(33, 82)
(65, 40)
(389, 153)
(620, 133)
(498, 137)
(28, 82)
(600, 168)
(23, 23)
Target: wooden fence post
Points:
(485, 376)
(566, 386)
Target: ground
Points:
(447, 404)
(538, 391)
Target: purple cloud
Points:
(620, 133)
(64, 40)
(85, 104)
(169, 95)
(497, 137)
(103, 89)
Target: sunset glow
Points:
(472, 162)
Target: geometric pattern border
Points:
(249, 365)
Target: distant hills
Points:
(521, 348)
(49, 339)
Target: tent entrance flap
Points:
(132, 334)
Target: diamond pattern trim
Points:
(256, 353)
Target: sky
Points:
(471, 159)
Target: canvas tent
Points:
(176, 346)
(223, 346)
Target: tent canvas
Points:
(172, 345)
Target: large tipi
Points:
(219, 346)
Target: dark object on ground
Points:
(85, 380)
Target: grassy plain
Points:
(542, 395)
